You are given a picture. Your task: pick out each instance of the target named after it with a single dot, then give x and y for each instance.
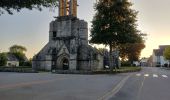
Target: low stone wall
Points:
(125, 70)
(71, 72)
(17, 69)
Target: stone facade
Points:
(68, 47)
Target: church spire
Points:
(68, 8)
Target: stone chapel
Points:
(68, 47)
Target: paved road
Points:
(47, 86)
(149, 84)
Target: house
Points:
(144, 62)
(150, 59)
(157, 56)
(136, 63)
(12, 60)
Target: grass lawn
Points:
(127, 69)
(121, 70)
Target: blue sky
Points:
(30, 28)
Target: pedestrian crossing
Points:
(152, 75)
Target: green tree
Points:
(3, 59)
(19, 52)
(166, 54)
(16, 5)
(17, 48)
(131, 52)
(114, 24)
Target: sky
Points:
(30, 27)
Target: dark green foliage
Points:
(114, 24)
(131, 52)
(166, 53)
(25, 63)
(17, 49)
(19, 52)
(16, 5)
(3, 59)
(20, 56)
(125, 63)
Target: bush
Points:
(125, 63)
(3, 59)
(165, 65)
(158, 65)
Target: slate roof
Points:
(162, 48)
(11, 57)
(159, 52)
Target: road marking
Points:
(116, 89)
(146, 75)
(155, 76)
(138, 74)
(164, 76)
(140, 88)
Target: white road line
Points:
(146, 75)
(154, 75)
(138, 74)
(116, 89)
(164, 76)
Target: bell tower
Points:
(68, 8)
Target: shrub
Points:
(165, 65)
(125, 63)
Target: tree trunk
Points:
(111, 59)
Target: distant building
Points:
(136, 63)
(144, 62)
(157, 56)
(150, 59)
(12, 60)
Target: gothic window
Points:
(54, 34)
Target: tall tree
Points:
(114, 24)
(166, 54)
(131, 51)
(18, 51)
(17, 48)
(16, 5)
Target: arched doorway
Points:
(65, 64)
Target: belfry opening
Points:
(68, 8)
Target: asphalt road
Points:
(149, 84)
(47, 86)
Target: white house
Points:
(144, 62)
(12, 60)
(157, 56)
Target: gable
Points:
(63, 50)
